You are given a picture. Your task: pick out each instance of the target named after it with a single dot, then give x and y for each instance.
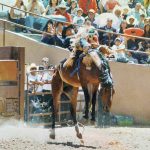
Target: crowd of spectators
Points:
(39, 81)
(80, 16)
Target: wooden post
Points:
(4, 27)
(21, 52)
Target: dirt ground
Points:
(20, 137)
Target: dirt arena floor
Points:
(21, 137)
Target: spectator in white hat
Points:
(79, 20)
(62, 10)
(33, 80)
(119, 51)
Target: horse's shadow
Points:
(71, 145)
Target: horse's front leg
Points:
(57, 87)
(52, 134)
(73, 100)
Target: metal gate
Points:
(39, 117)
(11, 82)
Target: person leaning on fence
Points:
(67, 35)
(33, 81)
(107, 38)
(18, 16)
(119, 51)
(133, 44)
(62, 10)
(45, 78)
(33, 21)
(146, 43)
(49, 28)
(57, 37)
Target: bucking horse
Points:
(82, 72)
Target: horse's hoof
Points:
(93, 119)
(84, 121)
(85, 117)
(52, 136)
(79, 135)
(92, 122)
(82, 142)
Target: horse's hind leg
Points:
(57, 86)
(95, 88)
(87, 101)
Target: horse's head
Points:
(106, 94)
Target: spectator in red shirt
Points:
(86, 5)
(110, 5)
(62, 11)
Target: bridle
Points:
(103, 89)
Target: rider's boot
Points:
(105, 76)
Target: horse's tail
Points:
(90, 91)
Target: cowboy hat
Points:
(92, 11)
(62, 5)
(33, 66)
(118, 39)
(135, 31)
(65, 30)
(45, 59)
(79, 9)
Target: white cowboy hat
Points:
(33, 65)
(79, 9)
(45, 59)
(62, 5)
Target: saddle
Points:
(86, 60)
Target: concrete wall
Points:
(34, 51)
(132, 82)
(132, 86)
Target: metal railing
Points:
(138, 37)
(42, 32)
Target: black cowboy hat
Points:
(65, 30)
